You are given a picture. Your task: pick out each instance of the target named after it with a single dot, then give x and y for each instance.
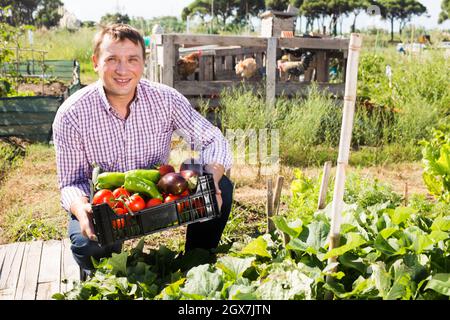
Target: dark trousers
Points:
(205, 235)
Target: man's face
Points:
(120, 65)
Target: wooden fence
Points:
(221, 53)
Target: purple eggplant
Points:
(172, 183)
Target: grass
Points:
(62, 44)
(29, 199)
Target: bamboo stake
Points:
(324, 185)
(345, 139)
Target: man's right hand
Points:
(82, 209)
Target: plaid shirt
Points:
(87, 130)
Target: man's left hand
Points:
(219, 197)
(217, 171)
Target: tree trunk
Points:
(392, 29)
(354, 23)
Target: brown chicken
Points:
(188, 64)
(246, 68)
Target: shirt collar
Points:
(106, 104)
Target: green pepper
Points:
(110, 180)
(140, 185)
(148, 174)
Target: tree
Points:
(401, 10)
(248, 8)
(224, 10)
(48, 13)
(314, 10)
(277, 5)
(110, 18)
(357, 6)
(21, 11)
(337, 8)
(445, 13)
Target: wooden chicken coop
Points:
(220, 54)
(274, 22)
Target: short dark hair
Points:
(119, 32)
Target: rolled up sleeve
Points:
(72, 166)
(199, 132)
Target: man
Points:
(123, 122)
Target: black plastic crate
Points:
(201, 206)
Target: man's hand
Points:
(82, 209)
(217, 171)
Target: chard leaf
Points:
(441, 224)
(297, 244)
(285, 285)
(437, 236)
(353, 261)
(383, 246)
(440, 283)
(317, 236)
(203, 281)
(354, 240)
(242, 292)
(234, 267)
(292, 228)
(386, 233)
(362, 288)
(257, 247)
(381, 278)
(434, 185)
(118, 263)
(172, 291)
(401, 288)
(444, 161)
(401, 214)
(418, 239)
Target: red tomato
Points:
(165, 169)
(104, 196)
(185, 193)
(119, 223)
(200, 206)
(120, 195)
(121, 192)
(135, 203)
(172, 197)
(153, 202)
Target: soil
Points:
(50, 89)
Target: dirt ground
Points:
(50, 89)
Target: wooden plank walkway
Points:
(36, 270)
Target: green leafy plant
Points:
(436, 159)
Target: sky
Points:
(94, 10)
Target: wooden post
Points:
(324, 185)
(168, 60)
(322, 66)
(271, 69)
(344, 143)
(405, 192)
(269, 205)
(276, 198)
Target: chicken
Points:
(188, 64)
(246, 68)
(295, 68)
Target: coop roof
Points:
(278, 14)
